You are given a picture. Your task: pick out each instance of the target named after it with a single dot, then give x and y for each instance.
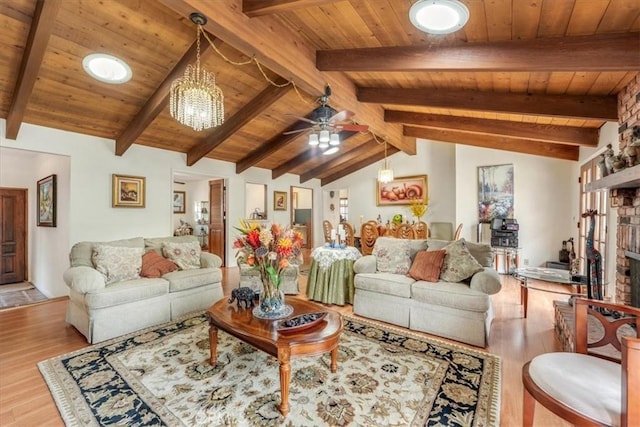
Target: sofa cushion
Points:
(155, 265)
(385, 283)
(427, 265)
(392, 255)
(125, 292)
(186, 255)
(459, 264)
(448, 294)
(117, 263)
(155, 243)
(81, 253)
(194, 278)
(481, 252)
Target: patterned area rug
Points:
(386, 376)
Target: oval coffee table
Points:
(264, 335)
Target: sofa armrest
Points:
(365, 264)
(486, 281)
(84, 279)
(209, 260)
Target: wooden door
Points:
(13, 235)
(217, 200)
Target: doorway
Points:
(302, 213)
(13, 235)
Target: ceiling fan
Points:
(326, 122)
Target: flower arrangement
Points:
(270, 250)
(418, 207)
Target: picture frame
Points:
(495, 192)
(128, 191)
(402, 190)
(279, 200)
(179, 202)
(47, 194)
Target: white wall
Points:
(84, 194)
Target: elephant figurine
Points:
(245, 294)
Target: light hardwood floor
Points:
(33, 333)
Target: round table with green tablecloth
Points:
(331, 275)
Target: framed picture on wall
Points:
(495, 192)
(179, 202)
(47, 201)
(279, 200)
(402, 190)
(128, 191)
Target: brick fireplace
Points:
(627, 200)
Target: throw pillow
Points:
(392, 255)
(117, 263)
(186, 255)
(427, 265)
(459, 264)
(481, 252)
(155, 265)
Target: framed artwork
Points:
(279, 200)
(179, 202)
(128, 191)
(47, 201)
(495, 192)
(402, 190)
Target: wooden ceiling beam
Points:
(42, 23)
(247, 113)
(587, 137)
(276, 143)
(158, 101)
(283, 51)
(345, 157)
(577, 53)
(354, 167)
(567, 106)
(538, 148)
(254, 8)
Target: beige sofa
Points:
(102, 310)
(461, 311)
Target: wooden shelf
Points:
(626, 178)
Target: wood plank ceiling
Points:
(537, 77)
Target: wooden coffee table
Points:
(264, 335)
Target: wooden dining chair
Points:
(590, 388)
(349, 238)
(421, 230)
(405, 231)
(441, 230)
(368, 237)
(458, 232)
(326, 230)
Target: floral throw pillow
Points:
(185, 255)
(117, 263)
(392, 255)
(458, 264)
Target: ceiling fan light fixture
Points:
(324, 136)
(385, 173)
(313, 139)
(323, 145)
(334, 140)
(194, 99)
(331, 150)
(439, 16)
(107, 68)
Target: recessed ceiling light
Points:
(438, 16)
(331, 150)
(107, 68)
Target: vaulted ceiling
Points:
(537, 76)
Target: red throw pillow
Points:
(426, 265)
(155, 265)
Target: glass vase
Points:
(271, 303)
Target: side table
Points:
(331, 275)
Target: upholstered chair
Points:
(591, 386)
(441, 231)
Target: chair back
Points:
(458, 231)
(368, 237)
(349, 235)
(405, 231)
(421, 230)
(441, 230)
(326, 230)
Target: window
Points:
(344, 209)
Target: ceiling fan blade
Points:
(304, 119)
(341, 116)
(297, 131)
(353, 128)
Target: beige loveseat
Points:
(458, 310)
(101, 308)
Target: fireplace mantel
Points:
(626, 178)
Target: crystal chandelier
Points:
(385, 173)
(195, 100)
